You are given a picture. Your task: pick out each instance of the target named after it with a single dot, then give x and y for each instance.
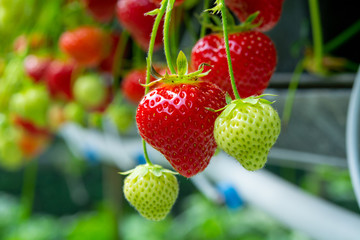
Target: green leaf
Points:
(127, 172)
(152, 12)
(252, 17)
(154, 73)
(266, 101)
(228, 109)
(157, 171)
(182, 64)
(228, 98)
(251, 100)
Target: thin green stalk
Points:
(206, 19)
(317, 33)
(342, 37)
(173, 36)
(28, 190)
(170, 5)
(294, 82)
(226, 40)
(149, 61)
(152, 42)
(118, 57)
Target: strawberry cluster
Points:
(74, 76)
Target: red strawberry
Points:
(59, 79)
(174, 120)
(102, 10)
(35, 67)
(177, 2)
(86, 45)
(130, 85)
(29, 126)
(131, 16)
(253, 57)
(270, 11)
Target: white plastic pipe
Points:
(293, 207)
(286, 202)
(352, 137)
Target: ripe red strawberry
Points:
(174, 120)
(35, 67)
(253, 57)
(102, 10)
(59, 79)
(131, 84)
(270, 11)
(131, 16)
(177, 2)
(87, 45)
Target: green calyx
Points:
(141, 170)
(249, 23)
(253, 100)
(182, 75)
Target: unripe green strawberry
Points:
(152, 190)
(121, 116)
(31, 104)
(10, 153)
(90, 90)
(74, 113)
(246, 130)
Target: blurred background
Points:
(61, 150)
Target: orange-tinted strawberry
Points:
(87, 45)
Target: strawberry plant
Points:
(76, 67)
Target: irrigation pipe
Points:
(316, 217)
(352, 137)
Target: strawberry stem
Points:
(147, 159)
(317, 34)
(342, 37)
(167, 49)
(226, 40)
(152, 42)
(28, 190)
(158, 18)
(118, 58)
(294, 82)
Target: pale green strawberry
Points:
(31, 104)
(90, 90)
(152, 190)
(246, 130)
